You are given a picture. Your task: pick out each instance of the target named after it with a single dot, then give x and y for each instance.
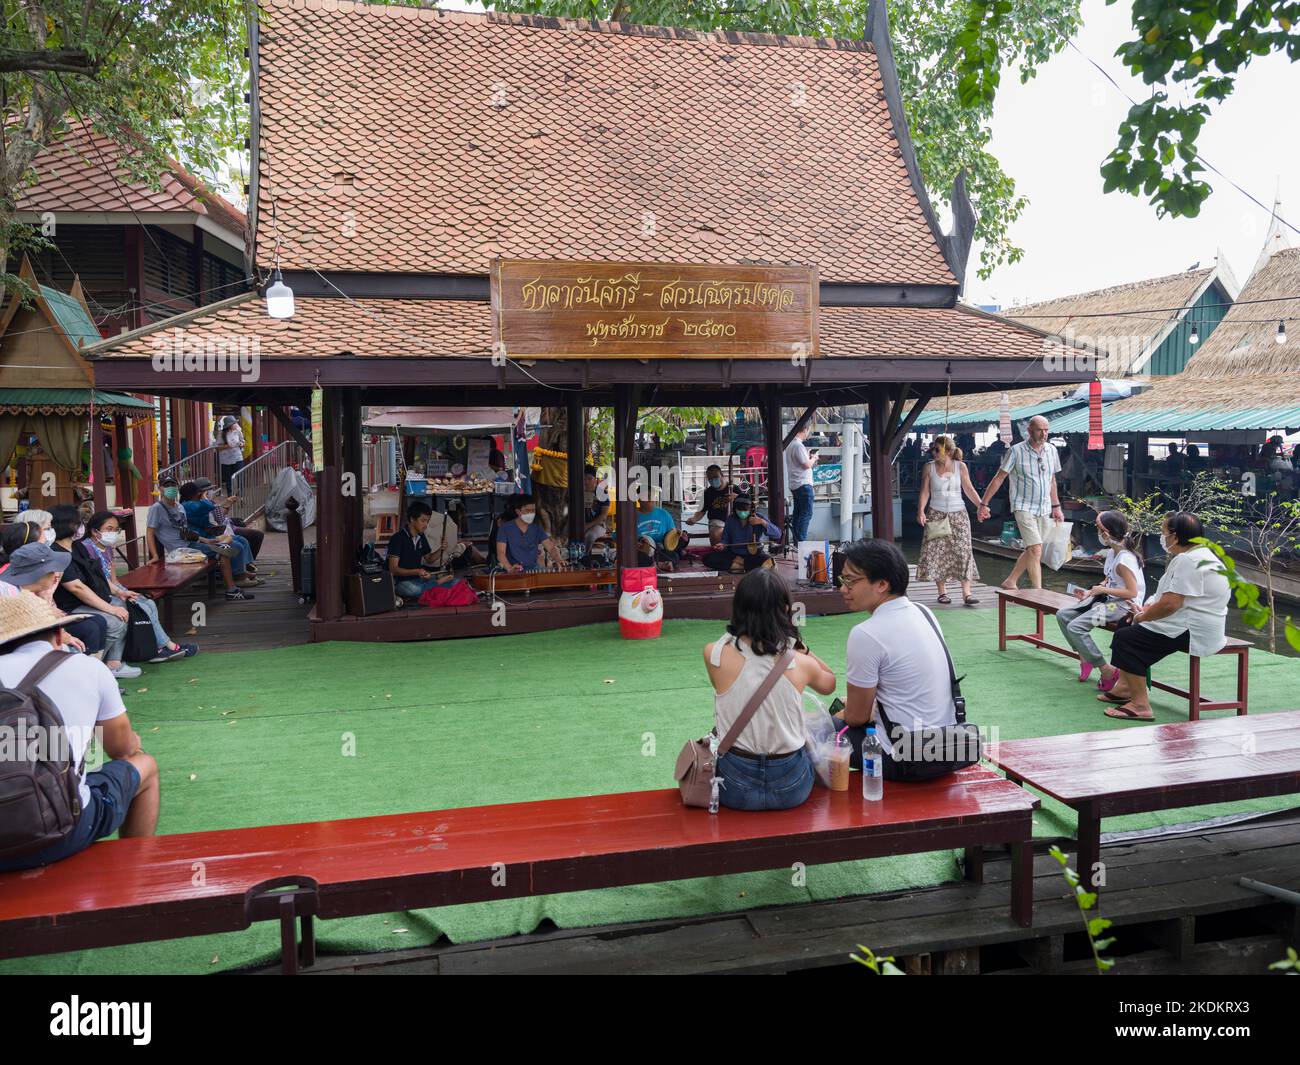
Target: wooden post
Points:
(351, 486)
(329, 517)
(125, 488)
(577, 451)
(98, 467)
(626, 399)
(774, 444)
(882, 480)
(293, 529)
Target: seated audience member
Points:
(768, 767)
(1189, 612)
(1122, 590)
(122, 796)
(658, 539)
(95, 551)
(167, 528)
(41, 520)
(36, 568)
(411, 559)
(741, 547)
(522, 541)
(207, 491)
(716, 503)
(896, 666)
(216, 540)
(595, 514)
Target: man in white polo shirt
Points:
(895, 656)
(799, 463)
(1032, 466)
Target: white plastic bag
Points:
(819, 730)
(1056, 548)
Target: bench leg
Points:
(1194, 689)
(1089, 845)
(1002, 623)
(973, 867)
(288, 938)
(1243, 681)
(168, 614)
(1038, 622)
(308, 949)
(1022, 882)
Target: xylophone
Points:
(542, 579)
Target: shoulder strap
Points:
(755, 701)
(47, 664)
(715, 659)
(958, 700)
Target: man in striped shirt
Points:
(1032, 466)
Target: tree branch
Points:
(63, 60)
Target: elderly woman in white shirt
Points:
(1189, 612)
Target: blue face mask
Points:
(743, 515)
(715, 482)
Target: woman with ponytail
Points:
(1118, 595)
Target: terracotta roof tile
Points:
(421, 141)
(387, 328)
(83, 171)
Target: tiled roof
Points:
(413, 140)
(83, 171)
(386, 328)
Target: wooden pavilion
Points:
(490, 209)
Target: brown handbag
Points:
(695, 765)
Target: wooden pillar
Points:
(577, 450)
(329, 518)
(351, 486)
(882, 479)
(125, 486)
(626, 405)
(98, 467)
(775, 458)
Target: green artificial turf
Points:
(258, 738)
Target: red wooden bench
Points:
(160, 580)
(140, 890)
(1044, 602)
(1133, 770)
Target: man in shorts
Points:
(1031, 466)
(121, 795)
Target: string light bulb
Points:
(1281, 331)
(1195, 337)
(279, 296)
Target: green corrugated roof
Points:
(67, 397)
(933, 417)
(72, 317)
(1115, 419)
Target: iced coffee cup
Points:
(839, 763)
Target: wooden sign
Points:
(545, 308)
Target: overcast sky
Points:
(1052, 135)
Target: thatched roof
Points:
(1122, 334)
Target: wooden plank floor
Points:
(1176, 904)
(274, 618)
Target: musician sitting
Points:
(412, 560)
(741, 549)
(715, 503)
(523, 543)
(659, 542)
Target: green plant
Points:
(1291, 963)
(1272, 526)
(1086, 900)
(879, 966)
(1253, 612)
(1216, 502)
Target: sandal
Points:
(945, 600)
(1127, 713)
(1105, 685)
(970, 600)
(1085, 671)
(1106, 697)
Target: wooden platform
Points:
(1181, 911)
(685, 596)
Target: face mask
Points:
(715, 482)
(1166, 543)
(742, 514)
(171, 494)
(48, 536)
(112, 539)
(527, 519)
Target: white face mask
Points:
(48, 536)
(527, 519)
(1166, 543)
(112, 539)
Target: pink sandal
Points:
(1085, 671)
(1105, 685)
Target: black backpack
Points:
(40, 798)
(141, 643)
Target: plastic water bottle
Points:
(873, 767)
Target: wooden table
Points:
(141, 890)
(1162, 767)
(159, 580)
(1044, 602)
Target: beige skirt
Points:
(948, 558)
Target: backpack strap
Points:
(48, 663)
(755, 701)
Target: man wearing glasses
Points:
(1032, 466)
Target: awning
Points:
(1176, 421)
(933, 417)
(66, 401)
(451, 418)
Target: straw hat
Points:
(26, 614)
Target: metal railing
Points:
(252, 481)
(205, 463)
